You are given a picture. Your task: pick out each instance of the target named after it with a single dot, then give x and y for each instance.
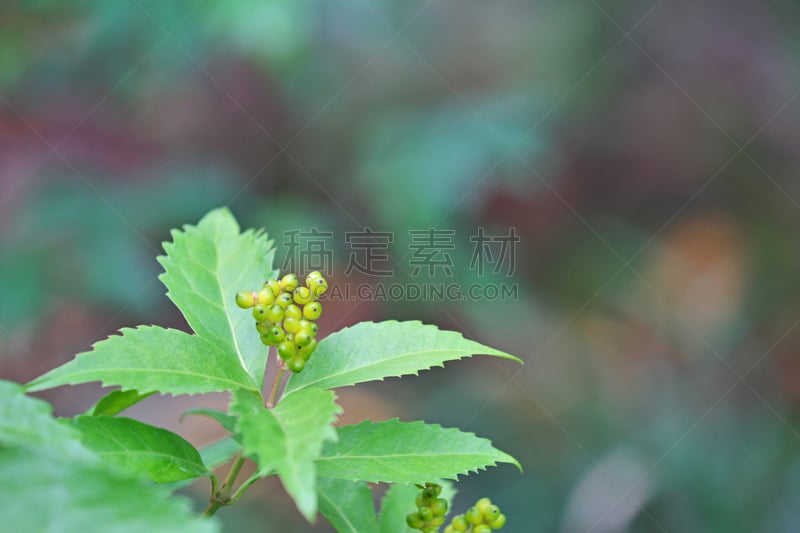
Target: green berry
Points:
(430, 530)
(439, 507)
(309, 326)
(275, 314)
(263, 327)
(498, 522)
(307, 350)
(460, 523)
(289, 282)
(276, 334)
(296, 364)
(290, 337)
(425, 513)
(291, 325)
(312, 311)
(302, 338)
(319, 287)
(274, 286)
(414, 521)
(311, 277)
(266, 341)
(420, 501)
(293, 311)
(260, 313)
(474, 516)
(481, 528)
(244, 299)
(283, 299)
(483, 504)
(435, 522)
(286, 350)
(491, 512)
(449, 529)
(265, 296)
(302, 295)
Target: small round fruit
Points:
(435, 522)
(296, 364)
(306, 351)
(276, 334)
(481, 528)
(498, 522)
(260, 313)
(302, 338)
(286, 350)
(284, 299)
(265, 296)
(311, 277)
(460, 523)
(291, 325)
(263, 327)
(473, 515)
(293, 311)
(274, 286)
(414, 521)
(319, 287)
(449, 529)
(312, 311)
(425, 513)
(309, 326)
(275, 314)
(439, 507)
(266, 340)
(244, 299)
(490, 512)
(289, 282)
(483, 504)
(302, 295)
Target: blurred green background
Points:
(645, 153)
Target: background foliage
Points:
(643, 150)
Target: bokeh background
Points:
(645, 152)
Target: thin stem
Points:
(223, 496)
(276, 384)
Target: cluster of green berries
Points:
(285, 314)
(431, 509)
(483, 517)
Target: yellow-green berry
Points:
(302, 295)
(289, 282)
(415, 521)
(273, 285)
(498, 522)
(260, 313)
(265, 296)
(460, 523)
(490, 512)
(482, 528)
(276, 334)
(483, 504)
(319, 287)
(311, 277)
(309, 326)
(439, 507)
(274, 314)
(474, 516)
(302, 338)
(244, 299)
(291, 325)
(284, 299)
(296, 364)
(312, 311)
(435, 522)
(286, 350)
(293, 311)
(307, 350)
(263, 327)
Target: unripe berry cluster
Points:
(286, 315)
(431, 509)
(483, 517)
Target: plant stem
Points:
(223, 496)
(275, 384)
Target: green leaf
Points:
(220, 452)
(27, 421)
(44, 493)
(369, 351)
(288, 438)
(406, 452)
(400, 500)
(150, 358)
(139, 449)
(348, 506)
(117, 401)
(205, 266)
(228, 422)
